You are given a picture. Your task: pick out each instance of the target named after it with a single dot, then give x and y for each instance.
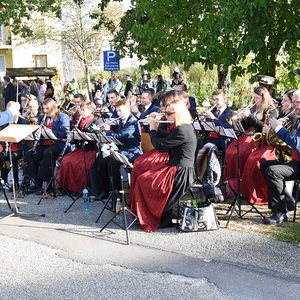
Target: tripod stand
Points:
(123, 211)
(85, 137)
(54, 182)
(14, 133)
(236, 204)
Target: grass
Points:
(288, 233)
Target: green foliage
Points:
(215, 33)
(14, 13)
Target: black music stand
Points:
(14, 133)
(113, 192)
(48, 135)
(236, 205)
(86, 137)
(124, 211)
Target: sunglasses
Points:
(168, 113)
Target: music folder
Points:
(14, 133)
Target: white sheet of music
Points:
(47, 134)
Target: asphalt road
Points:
(65, 256)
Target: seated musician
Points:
(256, 190)
(108, 109)
(74, 110)
(219, 114)
(277, 173)
(40, 161)
(33, 112)
(253, 122)
(73, 166)
(155, 192)
(17, 151)
(154, 158)
(146, 107)
(128, 132)
(8, 115)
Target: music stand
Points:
(14, 133)
(124, 209)
(47, 134)
(86, 137)
(240, 131)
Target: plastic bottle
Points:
(118, 205)
(86, 200)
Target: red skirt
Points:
(71, 172)
(253, 184)
(246, 147)
(147, 161)
(150, 193)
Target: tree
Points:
(13, 13)
(222, 33)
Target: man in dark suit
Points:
(146, 107)
(128, 132)
(10, 92)
(219, 115)
(277, 173)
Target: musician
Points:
(253, 122)
(74, 165)
(156, 191)
(276, 173)
(219, 115)
(33, 112)
(73, 109)
(108, 109)
(17, 150)
(41, 160)
(146, 107)
(128, 132)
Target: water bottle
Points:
(118, 205)
(86, 200)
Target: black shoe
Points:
(103, 196)
(290, 204)
(33, 189)
(276, 218)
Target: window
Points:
(2, 64)
(40, 60)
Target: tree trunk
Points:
(222, 74)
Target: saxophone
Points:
(260, 138)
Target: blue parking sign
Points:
(111, 60)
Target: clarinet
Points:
(38, 138)
(68, 142)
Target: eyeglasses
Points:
(168, 113)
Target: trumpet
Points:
(239, 116)
(205, 113)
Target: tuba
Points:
(282, 149)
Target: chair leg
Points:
(296, 200)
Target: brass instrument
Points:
(239, 115)
(202, 114)
(64, 104)
(104, 109)
(260, 138)
(282, 149)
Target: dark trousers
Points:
(103, 171)
(276, 174)
(40, 164)
(16, 155)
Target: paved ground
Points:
(64, 256)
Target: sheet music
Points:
(121, 158)
(228, 132)
(196, 125)
(47, 134)
(208, 125)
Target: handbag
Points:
(201, 218)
